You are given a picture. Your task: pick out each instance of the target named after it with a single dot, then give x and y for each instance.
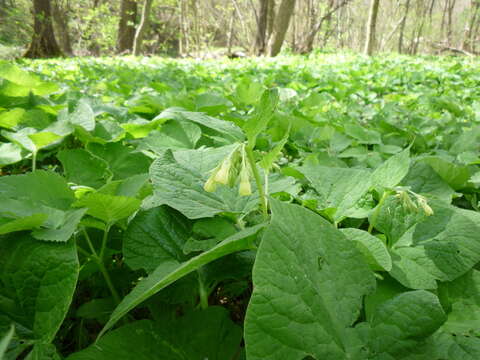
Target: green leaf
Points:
(423, 180)
(387, 288)
(393, 219)
(182, 189)
(23, 223)
(180, 134)
(43, 139)
(83, 116)
(82, 168)
(212, 104)
(168, 272)
(412, 268)
(105, 131)
(208, 334)
(210, 125)
(464, 319)
(5, 340)
(155, 236)
(463, 297)
(21, 138)
(267, 160)
(96, 309)
(391, 172)
(10, 153)
(454, 175)
(401, 322)
(249, 91)
(140, 128)
(43, 352)
(38, 279)
(173, 135)
(10, 119)
(309, 284)
(216, 227)
(178, 184)
(56, 225)
(364, 136)
(44, 187)
(451, 347)
(264, 111)
(444, 246)
(64, 231)
(22, 83)
(123, 162)
(338, 188)
(202, 160)
(194, 245)
(108, 208)
(373, 249)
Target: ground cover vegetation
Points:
(207, 28)
(321, 207)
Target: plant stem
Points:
(99, 260)
(377, 210)
(89, 242)
(108, 281)
(34, 161)
(258, 181)
(202, 291)
(83, 251)
(104, 241)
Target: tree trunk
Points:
(60, 18)
(230, 33)
(261, 37)
(402, 27)
(183, 41)
(282, 21)
(126, 26)
(468, 33)
(245, 29)
(475, 33)
(422, 11)
(142, 27)
(308, 41)
(43, 43)
(448, 19)
(372, 27)
(270, 21)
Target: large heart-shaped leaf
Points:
(309, 282)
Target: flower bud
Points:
(422, 202)
(222, 175)
(407, 203)
(245, 189)
(210, 185)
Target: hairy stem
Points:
(104, 241)
(34, 161)
(202, 291)
(99, 260)
(108, 281)
(258, 181)
(377, 210)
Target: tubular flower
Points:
(210, 185)
(406, 201)
(245, 189)
(422, 202)
(223, 173)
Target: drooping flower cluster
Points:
(233, 169)
(418, 202)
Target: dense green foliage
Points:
(301, 208)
